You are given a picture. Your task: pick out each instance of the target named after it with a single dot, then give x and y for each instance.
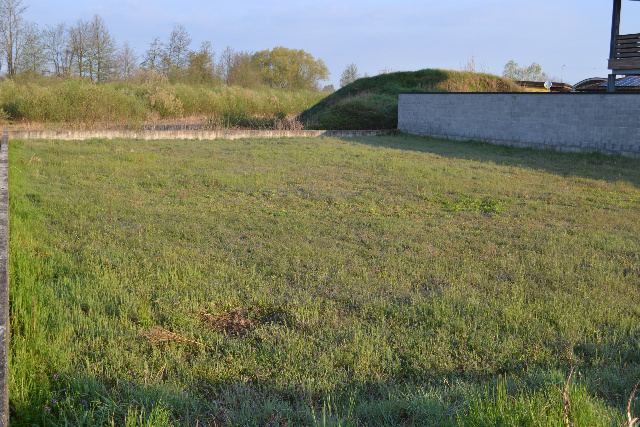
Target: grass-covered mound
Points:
(372, 102)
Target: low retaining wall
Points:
(576, 122)
(186, 134)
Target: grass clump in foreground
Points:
(395, 280)
(372, 102)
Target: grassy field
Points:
(393, 280)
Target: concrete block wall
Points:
(576, 122)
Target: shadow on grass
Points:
(88, 401)
(598, 396)
(585, 165)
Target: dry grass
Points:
(159, 334)
(235, 323)
(566, 401)
(631, 422)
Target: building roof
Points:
(628, 81)
(590, 84)
(599, 84)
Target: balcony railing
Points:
(626, 53)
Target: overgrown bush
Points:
(78, 102)
(363, 112)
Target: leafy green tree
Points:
(291, 69)
(349, 75)
(532, 73)
(176, 54)
(201, 68)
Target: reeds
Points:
(82, 104)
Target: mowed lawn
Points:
(392, 280)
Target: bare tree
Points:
(102, 49)
(55, 43)
(349, 75)
(126, 62)
(177, 50)
(33, 58)
(78, 47)
(12, 29)
(153, 56)
(225, 64)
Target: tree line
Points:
(531, 73)
(87, 49)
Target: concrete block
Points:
(585, 122)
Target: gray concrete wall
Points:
(577, 122)
(185, 134)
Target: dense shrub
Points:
(82, 103)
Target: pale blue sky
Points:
(374, 34)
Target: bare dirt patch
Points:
(239, 321)
(236, 322)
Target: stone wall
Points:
(577, 122)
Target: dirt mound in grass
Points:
(239, 321)
(372, 102)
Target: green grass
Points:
(372, 102)
(78, 103)
(392, 280)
